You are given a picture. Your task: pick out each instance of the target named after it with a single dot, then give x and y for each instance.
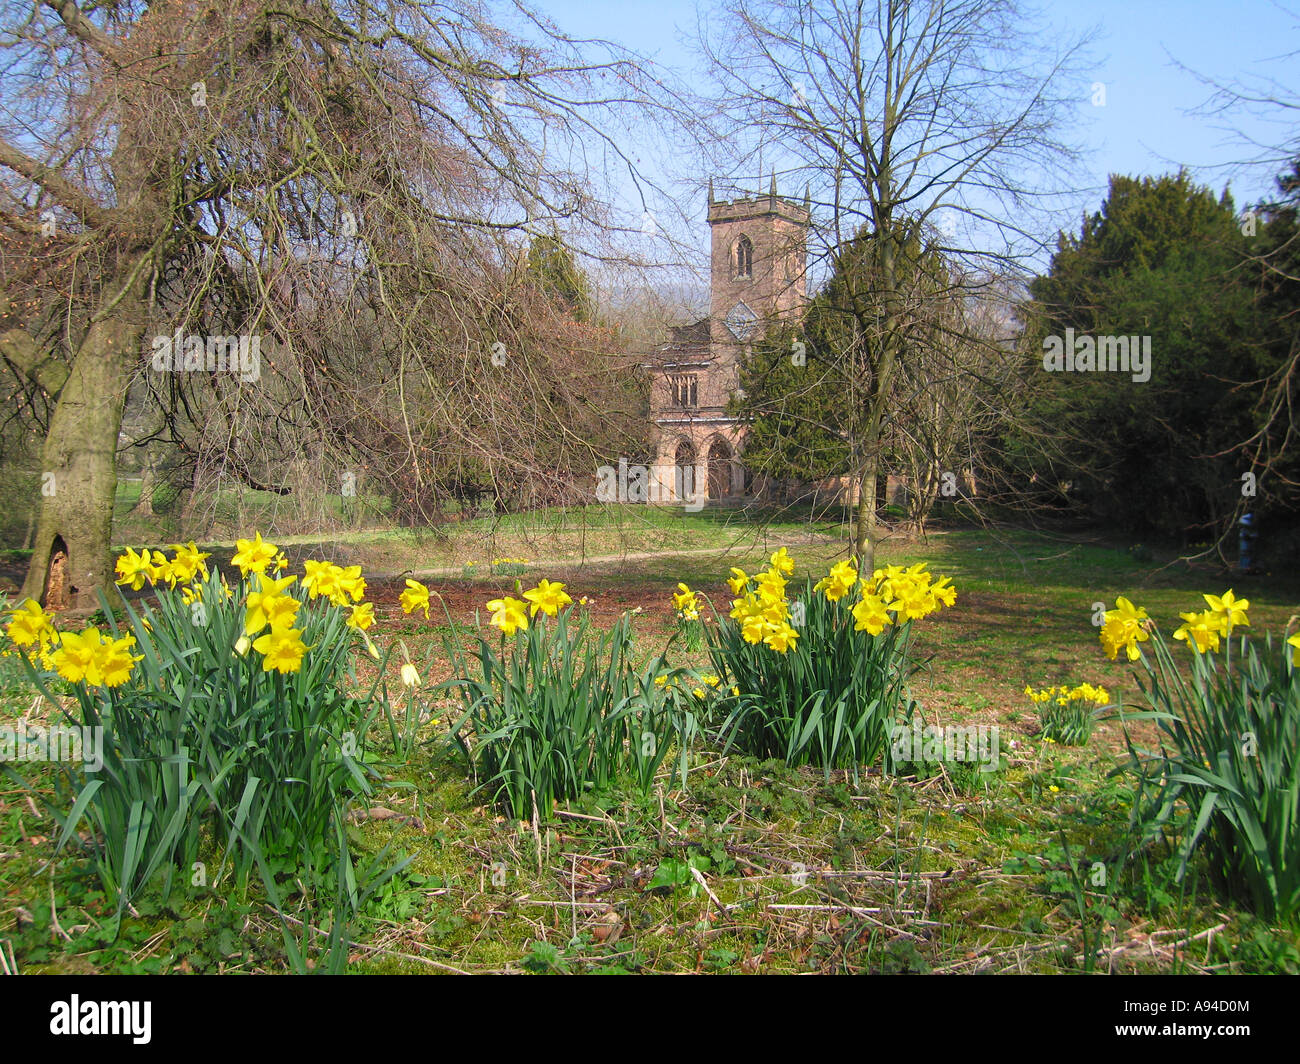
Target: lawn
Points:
(749, 866)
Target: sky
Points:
(1146, 125)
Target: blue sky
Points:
(1144, 127)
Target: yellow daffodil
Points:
(548, 597)
(1124, 628)
(410, 678)
(270, 605)
(187, 563)
(1203, 629)
(782, 562)
(782, 639)
(839, 582)
(132, 569)
(509, 614)
(415, 597)
(686, 604)
(252, 555)
(1294, 643)
(29, 625)
(738, 580)
(871, 615)
(1228, 610)
(282, 650)
(361, 616)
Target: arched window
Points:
(719, 470)
(744, 257)
(684, 472)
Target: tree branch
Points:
(65, 192)
(46, 372)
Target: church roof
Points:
(689, 345)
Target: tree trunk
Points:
(148, 484)
(70, 555)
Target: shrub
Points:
(556, 709)
(218, 705)
(1226, 779)
(801, 680)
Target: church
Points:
(758, 267)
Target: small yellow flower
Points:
(548, 597)
(252, 555)
(361, 616)
(509, 614)
(415, 597)
(1054, 789)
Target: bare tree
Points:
(900, 113)
(341, 186)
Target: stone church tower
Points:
(757, 272)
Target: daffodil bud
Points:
(410, 677)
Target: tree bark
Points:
(79, 469)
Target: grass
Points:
(1014, 871)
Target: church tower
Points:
(759, 251)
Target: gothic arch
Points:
(684, 457)
(742, 258)
(721, 459)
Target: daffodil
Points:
(78, 656)
(870, 615)
(353, 583)
(686, 604)
(29, 625)
(269, 605)
(415, 597)
(782, 639)
(1294, 643)
(187, 563)
(839, 582)
(361, 616)
(132, 569)
(782, 562)
(410, 677)
(1203, 629)
(548, 597)
(252, 555)
(1228, 610)
(737, 581)
(509, 614)
(282, 650)
(1124, 628)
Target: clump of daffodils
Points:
(761, 607)
(1127, 625)
(512, 615)
(1067, 714)
(88, 656)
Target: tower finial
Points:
(772, 191)
(710, 191)
(807, 198)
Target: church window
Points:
(685, 391)
(744, 257)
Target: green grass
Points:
(952, 873)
